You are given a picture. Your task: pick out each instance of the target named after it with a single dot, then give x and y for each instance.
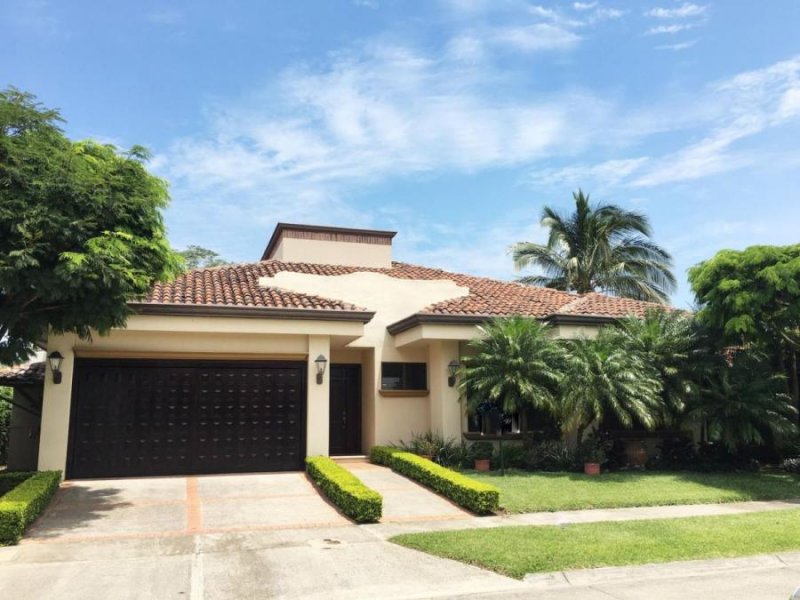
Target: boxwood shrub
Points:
(345, 490)
(20, 506)
(476, 496)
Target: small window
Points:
(404, 376)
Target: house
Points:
(325, 346)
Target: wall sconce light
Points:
(55, 359)
(321, 363)
(452, 370)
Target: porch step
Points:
(353, 458)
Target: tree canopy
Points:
(81, 229)
(197, 257)
(751, 295)
(598, 247)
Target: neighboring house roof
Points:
(237, 287)
(31, 373)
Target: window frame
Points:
(405, 379)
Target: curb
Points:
(688, 568)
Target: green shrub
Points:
(444, 451)
(345, 490)
(20, 507)
(551, 455)
(473, 495)
(8, 481)
(381, 455)
(509, 455)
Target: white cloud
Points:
(584, 5)
(367, 3)
(532, 38)
(669, 29)
(605, 174)
(684, 11)
(745, 106)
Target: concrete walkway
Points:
(403, 499)
(388, 529)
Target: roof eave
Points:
(250, 312)
(561, 319)
(422, 318)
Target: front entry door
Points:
(345, 418)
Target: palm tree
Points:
(741, 401)
(667, 342)
(598, 248)
(513, 363)
(603, 380)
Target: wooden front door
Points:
(345, 417)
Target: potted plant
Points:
(482, 455)
(594, 454)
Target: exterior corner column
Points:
(56, 407)
(318, 398)
(445, 404)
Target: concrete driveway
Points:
(176, 506)
(218, 538)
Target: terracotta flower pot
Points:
(483, 464)
(591, 468)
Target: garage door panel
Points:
(160, 418)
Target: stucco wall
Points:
(323, 252)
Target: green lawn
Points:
(515, 551)
(532, 492)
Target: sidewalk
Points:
(386, 530)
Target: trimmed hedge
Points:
(476, 496)
(345, 490)
(20, 507)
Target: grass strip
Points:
(516, 551)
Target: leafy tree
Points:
(197, 257)
(81, 230)
(604, 380)
(667, 342)
(741, 401)
(515, 363)
(752, 297)
(598, 248)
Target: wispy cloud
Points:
(584, 5)
(747, 105)
(669, 29)
(677, 47)
(684, 11)
(536, 37)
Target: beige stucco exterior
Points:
(386, 417)
(350, 254)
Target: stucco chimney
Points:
(330, 246)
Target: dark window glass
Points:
(530, 420)
(404, 376)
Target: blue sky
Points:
(452, 121)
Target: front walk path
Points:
(405, 500)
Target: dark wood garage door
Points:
(136, 418)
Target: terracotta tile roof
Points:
(594, 304)
(237, 285)
(22, 374)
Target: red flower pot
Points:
(591, 468)
(483, 464)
